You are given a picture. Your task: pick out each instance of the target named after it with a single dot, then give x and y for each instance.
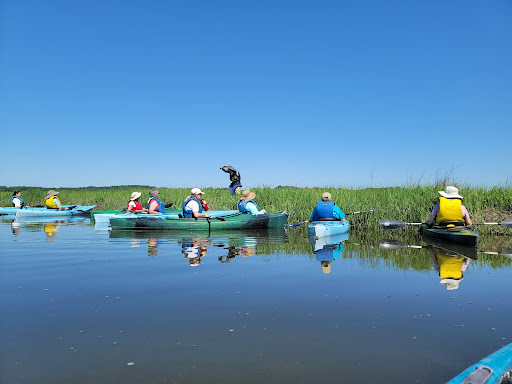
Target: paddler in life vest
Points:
(155, 206)
(134, 203)
(246, 204)
(17, 201)
(449, 208)
(52, 201)
(234, 177)
(192, 207)
(327, 210)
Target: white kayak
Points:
(48, 212)
(319, 229)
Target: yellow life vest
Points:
(449, 210)
(50, 203)
(449, 266)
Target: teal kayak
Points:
(459, 234)
(230, 222)
(490, 370)
(104, 218)
(13, 210)
(48, 212)
(319, 229)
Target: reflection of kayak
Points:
(48, 212)
(235, 222)
(327, 228)
(459, 249)
(492, 367)
(461, 234)
(321, 242)
(104, 218)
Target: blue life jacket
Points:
(189, 213)
(329, 252)
(161, 206)
(324, 210)
(21, 201)
(242, 204)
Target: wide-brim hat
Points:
(451, 284)
(51, 193)
(451, 193)
(326, 267)
(326, 196)
(248, 195)
(135, 195)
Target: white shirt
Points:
(17, 202)
(192, 205)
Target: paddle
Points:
(307, 221)
(395, 224)
(395, 244)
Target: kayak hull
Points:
(230, 222)
(500, 362)
(319, 229)
(120, 211)
(46, 212)
(460, 235)
(104, 218)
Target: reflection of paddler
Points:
(50, 230)
(451, 267)
(193, 251)
(247, 251)
(152, 246)
(15, 226)
(327, 254)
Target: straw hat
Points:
(248, 195)
(450, 284)
(451, 193)
(326, 196)
(51, 193)
(135, 195)
(326, 266)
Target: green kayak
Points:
(234, 222)
(460, 234)
(119, 211)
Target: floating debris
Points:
(231, 330)
(131, 363)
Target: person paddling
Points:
(449, 208)
(134, 203)
(327, 210)
(192, 207)
(52, 201)
(234, 177)
(246, 204)
(17, 201)
(155, 206)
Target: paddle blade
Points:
(391, 224)
(391, 244)
(295, 224)
(507, 223)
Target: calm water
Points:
(79, 305)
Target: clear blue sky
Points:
(306, 93)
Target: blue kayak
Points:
(48, 212)
(489, 370)
(13, 210)
(319, 229)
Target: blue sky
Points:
(305, 93)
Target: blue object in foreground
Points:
(489, 370)
(327, 228)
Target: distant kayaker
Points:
(246, 204)
(17, 201)
(52, 201)
(451, 267)
(192, 207)
(326, 210)
(234, 177)
(449, 208)
(155, 206)
(134, 203)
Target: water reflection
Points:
(50, 226)
(327, 249)
(194, 244)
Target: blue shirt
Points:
(252, 209)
